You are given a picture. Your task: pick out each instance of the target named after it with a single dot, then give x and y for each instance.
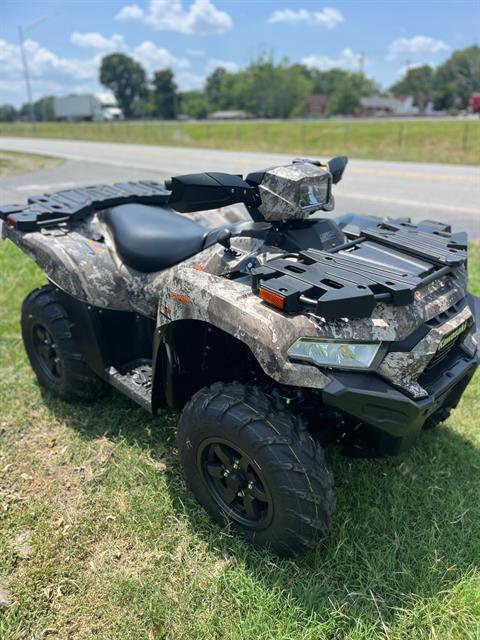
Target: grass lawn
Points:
(454, 141)
(99, 537)
(12, 163)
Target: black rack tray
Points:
(340, 284)
(74, 204)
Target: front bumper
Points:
(395, 417)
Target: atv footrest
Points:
(134, 380)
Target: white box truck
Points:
(87, 106)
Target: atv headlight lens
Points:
(348, 355)
(314, 193)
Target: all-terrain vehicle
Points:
(274, 332)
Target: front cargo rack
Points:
(341, 284)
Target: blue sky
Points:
(195, 36)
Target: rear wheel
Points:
(252, 464)
(52, 351)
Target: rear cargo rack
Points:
(74, 204)
(338, 284)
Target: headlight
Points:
(348, 355)
(314, 193)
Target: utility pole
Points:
(21, 36)
(31, 110)
(361, 61)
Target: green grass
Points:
(12, 163)
(99, 537)
(452, 141)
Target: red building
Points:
(316, 105)
(475, 102)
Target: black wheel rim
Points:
(236, 483)
(46, 351)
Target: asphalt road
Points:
(449, 193)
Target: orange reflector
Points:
(273, 298)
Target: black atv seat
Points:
(151, 238)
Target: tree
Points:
(417, 82)
(165, 94)
(8, 113)
(264, 88)
(457, 78)
(344, 99)
(194, 104)
(292, 89)
(43, 109)
(327, 82)
(144, 106)
(213, 87)
(126, 79)
(342, 89)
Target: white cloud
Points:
(198, 53)
(215, 63)
(130, 12)
(43, 62)
(187, 81)
(412, 65)
(153, 57)
(49, 73)
(348, 60)
(13, 90)
(417, 45)
(327, 17)
(95, 40)
(57, 75)
(200, 18)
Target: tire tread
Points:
(79, 381)
(296, 460)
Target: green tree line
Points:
(269, 89)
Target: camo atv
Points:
(273, 332)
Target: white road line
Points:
(407, 203)
(43, 186)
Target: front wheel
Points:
(252, 464)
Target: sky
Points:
(65, 41)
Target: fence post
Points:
(465, 136)
(303, 145)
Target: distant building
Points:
(316, 105)
(230, 115)
(475, 102)
(387, 106)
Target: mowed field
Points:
(99, 537)
(12, 163)
(452, 141)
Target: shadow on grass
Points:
(405, 528)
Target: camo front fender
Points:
(190, 294)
